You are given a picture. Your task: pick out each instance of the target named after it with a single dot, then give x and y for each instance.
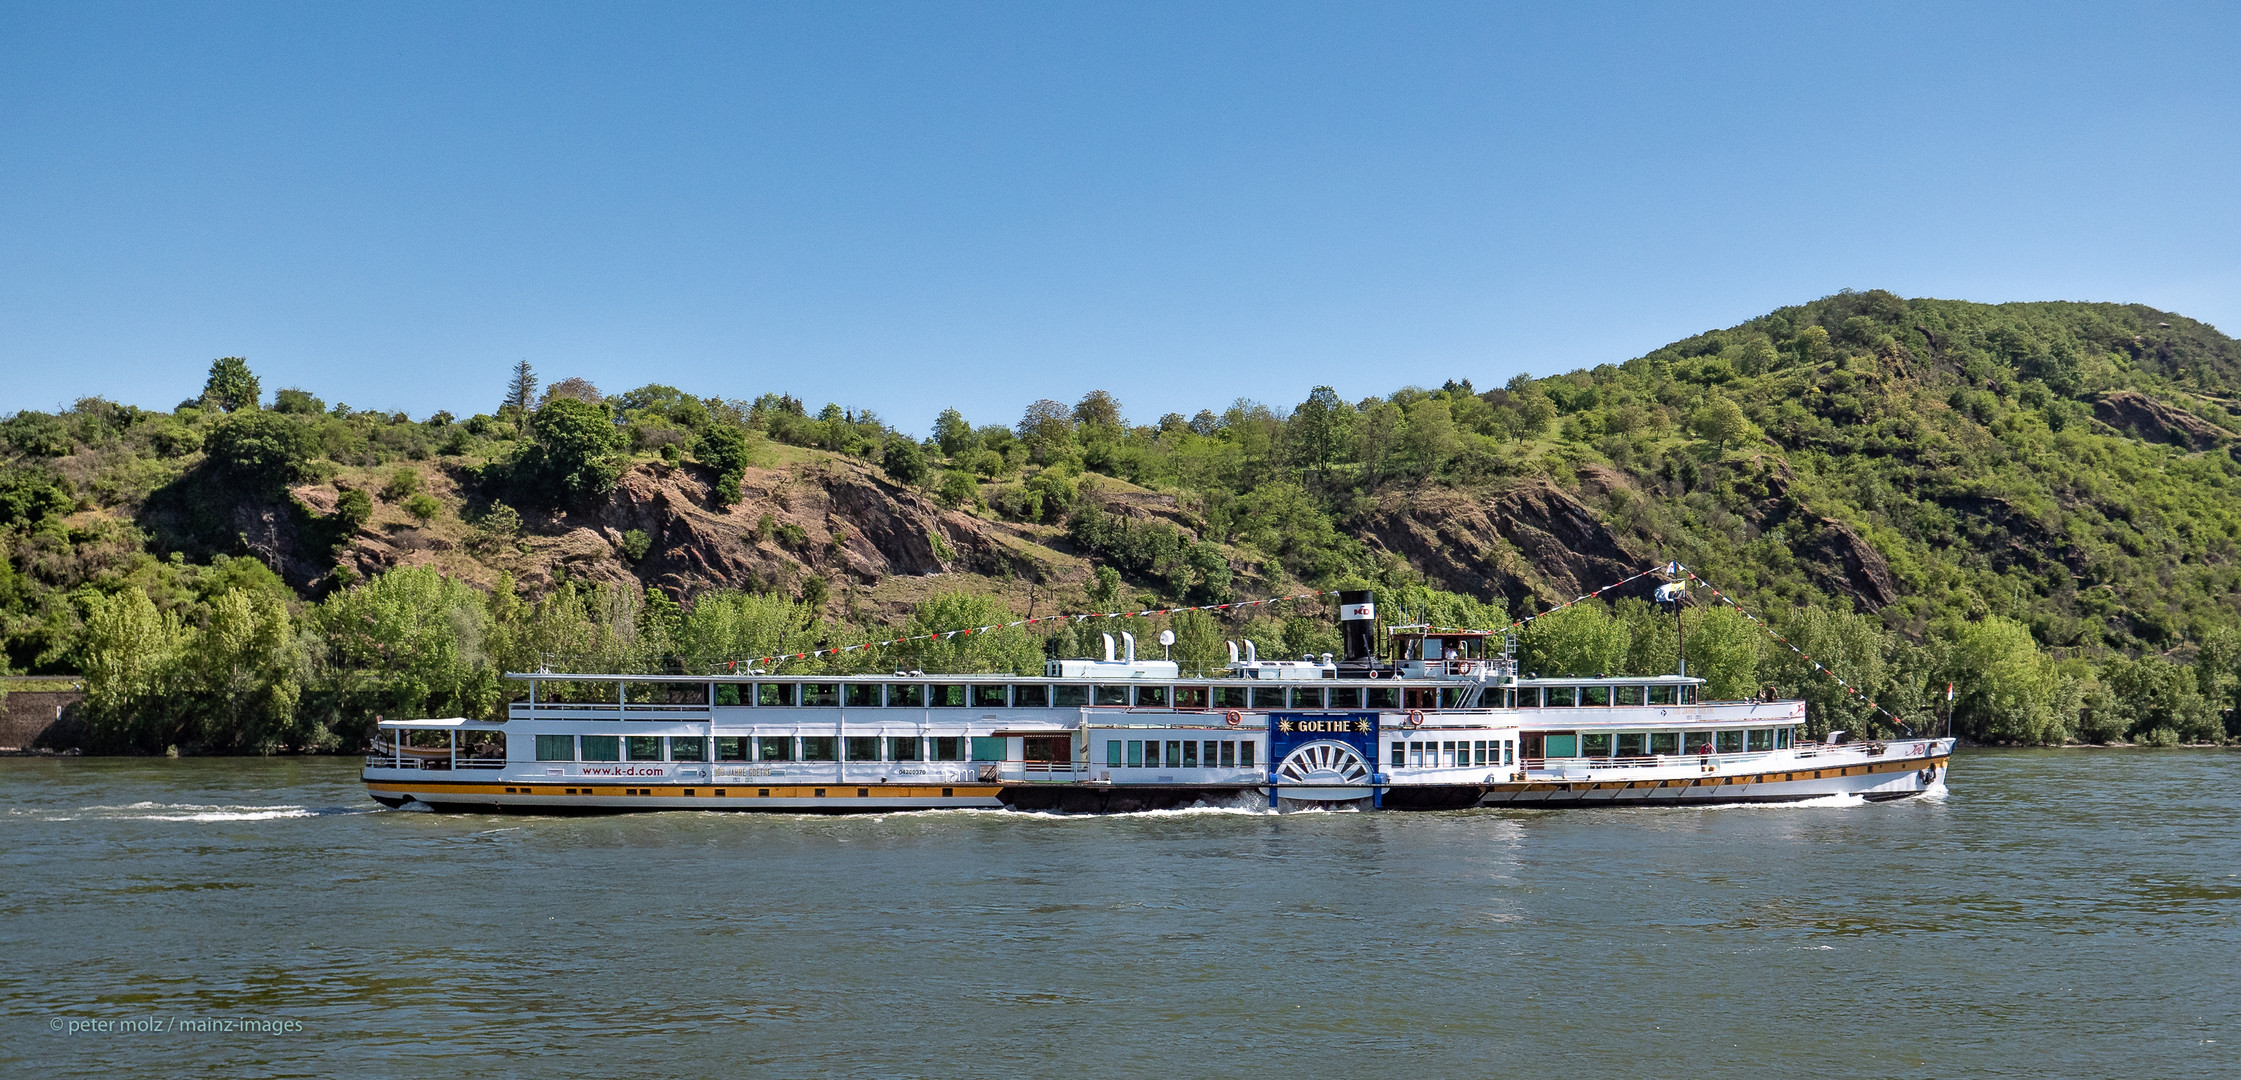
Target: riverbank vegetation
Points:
(2034, 503)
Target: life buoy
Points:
(1233, 718)
(1416, 718)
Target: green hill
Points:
(2034, 502)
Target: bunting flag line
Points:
(1586, 598)
(945, 635)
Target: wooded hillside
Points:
(2033, 501)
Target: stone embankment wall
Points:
(41, 720)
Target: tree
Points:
(1719, 421)
(1849, 645)
(573, 389)
(1582, 640)
(353, 508)
(297, 402)
(1723, 650)
(904, 459)
(1007, 650)
(241, 668)
(1099, 410)
(725, 449)
(231, 387)
(1048, 430)
(128, 654)
(521, 391)
(576, 451)
(263, 450)
(952, 433)
(2008, 690)
(410, 642)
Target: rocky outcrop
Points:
(1533, 540)
(2146, 418)
(1843, 563)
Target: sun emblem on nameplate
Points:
(1284, 726)
(1361, 726)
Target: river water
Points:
(2056, 914)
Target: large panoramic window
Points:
(1111, 695)
(1660, 695)
(1761, 739)
(948, 747)
(774, 748)
(1268, 697)
(1592, 744)
(1595, 695)
(820, 695)
(863, 748)
(774, 693)
(644, 747)
(1151, 697)
(906, 696)
(862, 695)
(1067, 696)
(602, 748)
(1728, 742)
(1031, 697)
(991, 697)
(732, 748)
(820, 748)
(1384, 697)
(1560, 697)
(1229, 697)
(1307, 697)
(728, 694)
(1346, 697)
(1628, 695)
(1632, 744)
(1190, 697)
(903, 748)
(1555, 745)
(693, 748)
(1665, 742)
(946, 696)
(556, 748)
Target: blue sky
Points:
(912, 206)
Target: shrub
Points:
(262, 449)
(402, 483)
(423, 507)
(634, 544)
(576, 453)
(352, 511)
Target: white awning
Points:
(447, 723)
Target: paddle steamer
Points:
(1440, 719)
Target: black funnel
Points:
(1357, 623)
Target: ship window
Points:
(1561, 744)
(819, 748)
(1416, 755)
(991, 697)
(731, 748)
(863, 747)
(1688, 694)
(1346, 697)
(774, 748)
(1400, 755)
(727, 694)
(904, 748)
(820, 695)
(1595, 695)
(1137, 758)
(643, 747)
(906, 696)
(1781, 738)
(1268, 697)
(556, 748)
(1175, 754)
(1452, 697)
(1151, 697)
(1529, 697)
(1559, 697)
(1665, 742)
(1593, 744)
(1111, 695)
(1631, 744)
(1627, 695)
(774, 693)
(1307, 697)
(1447, 754)
(1069, 697)
(1229, 754)
(946, 696)
(1190, 697)
(1212, 753)
(862, 695)
(1113, 752)
(1244, 755)
(1229, 697)
(1031, 697)
(687, 749)
(1384, 697)
(1509, 752)
(1761, 739)
(1728, 742)
(1660, 695)
(602, 748)
(988, 748)
(949, 747)
(1478, 752)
